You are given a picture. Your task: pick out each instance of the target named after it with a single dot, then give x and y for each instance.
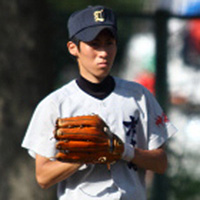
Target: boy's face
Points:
(96, 58)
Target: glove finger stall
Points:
(81, 121)
(85, 133)
(87, 146)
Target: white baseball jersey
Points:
(130, 111)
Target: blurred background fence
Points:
(159, 45)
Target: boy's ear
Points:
(72, 48)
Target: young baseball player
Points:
(130, 110)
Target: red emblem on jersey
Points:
(162, 119)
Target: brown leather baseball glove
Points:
(86, 139)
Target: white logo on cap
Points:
(98, 16)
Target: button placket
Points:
(102, 110)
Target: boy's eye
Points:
(110, 42)
(94, 43)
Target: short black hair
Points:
(76, 41)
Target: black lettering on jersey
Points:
(131, 133)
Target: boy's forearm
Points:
(154, 160)
(49, 172)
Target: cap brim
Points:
(91, 33)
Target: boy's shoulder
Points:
(59, 94)
(128, 88)
(127, 85)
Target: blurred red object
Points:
(194, 31)
(147, 79)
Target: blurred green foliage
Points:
(117, 5)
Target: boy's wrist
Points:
(129, 152)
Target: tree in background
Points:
(26, 75)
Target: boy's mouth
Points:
(103, 64)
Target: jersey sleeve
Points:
(160, 129)
(39, 135)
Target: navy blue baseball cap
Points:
(86, 24)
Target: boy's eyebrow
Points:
(99, 40)
(105, 38)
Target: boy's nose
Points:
(103, 53)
